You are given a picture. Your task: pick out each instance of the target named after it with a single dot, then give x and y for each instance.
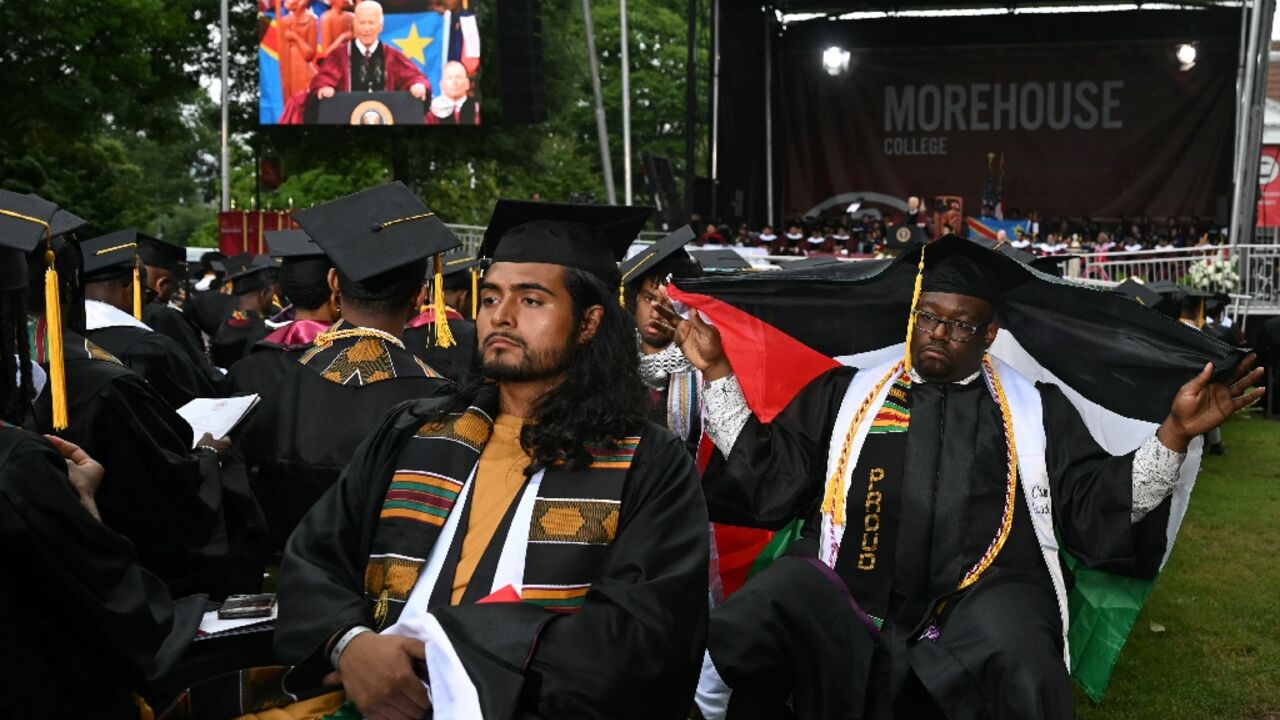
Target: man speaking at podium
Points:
(367, 65)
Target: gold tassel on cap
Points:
(444, 336)
(53, 331)
(475, 291)
(137, 289)
(53, 325)
(911, 317)
(622, 295)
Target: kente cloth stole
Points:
(574, 519)
(348, 355)
(684, 404)
(874, 503)
(74, 347)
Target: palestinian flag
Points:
(1120, 364)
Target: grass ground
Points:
(1218, 599)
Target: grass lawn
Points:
(1218, 599)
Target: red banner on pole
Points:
(1269, 187)
(245, 230)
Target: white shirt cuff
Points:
(1156, 471)
(727, 412)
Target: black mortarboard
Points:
(642, 262)
(591, 238)
(25, 220)
(452, 265)
(720, 260)
(376, 230)
(1139, 291)
(162, 254)
(967, 268)
(286, 245)
(247, 273)
(64, 222)
(109, 255)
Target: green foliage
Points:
(130, 138)
(1215, 654)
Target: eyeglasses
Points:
(957, 330)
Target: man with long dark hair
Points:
(533, 540)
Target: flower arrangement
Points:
(1213, 275)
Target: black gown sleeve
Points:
(165, 497)
(321, 586)
(634, 649)
(1093, 497)
(107, 599)
(162, 363)
(776, 471)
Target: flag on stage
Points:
(987, 228)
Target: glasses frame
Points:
(950, 325)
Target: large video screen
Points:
(371, 62)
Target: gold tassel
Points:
(622, 297)
(137, 291)
(1200, 315)
(475, 291)
(380, 609)
(911, 317)
(144, 709)
(53, 331)
(444, 336)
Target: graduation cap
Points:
(287, 245)
(1138, 291)
(720, 260)
(376, 230)
(647, 259)
(247, 273)
(111, 255)
(591, 238)
(25, 222)
(64, 222)
(162, 254)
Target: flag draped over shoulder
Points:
(1119, 363)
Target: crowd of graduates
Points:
(432, 432)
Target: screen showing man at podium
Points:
(388, 62)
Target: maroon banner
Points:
(1097, 129)
(245, 230)
(1269, 187)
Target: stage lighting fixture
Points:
(835, 60)
(1186, 55)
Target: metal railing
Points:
(1258, 266)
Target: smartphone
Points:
(239, 607)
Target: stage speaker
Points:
(523, 82)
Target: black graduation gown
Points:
(633, 649)
(208, 309)
(194, 523)
(158, 359)
(305, 430)
(235, 336)
(174, 324)
(459, 362)
(83, 623)
(951, 499)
